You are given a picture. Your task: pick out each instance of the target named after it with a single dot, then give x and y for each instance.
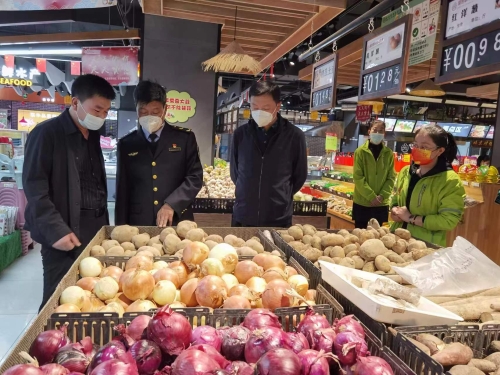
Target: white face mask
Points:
(90, 122)
(262, 118)
(151, 123)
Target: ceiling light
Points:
(408, 89)
(288, 102)
(428, 88)
(416, 98)
(292, 63)
(461, 102)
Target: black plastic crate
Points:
(420, 362)
(213, 205)
(316, 207)
(196, 316)
(397, 365)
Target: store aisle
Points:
(21, 286)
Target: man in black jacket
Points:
(268, 162)
(159, 172)
(64, 179)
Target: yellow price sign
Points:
(314, 115)
(406, 158)
(324, 118)
(331, 141)
(246, 113)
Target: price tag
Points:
(331, 142)
(382, 80)
(406, 158)
(465, 183)
(321, 98)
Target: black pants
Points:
(56, 263)
(362, 215)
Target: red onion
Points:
(147, 356)
(295, 341)
(54, 369)
(312, 322)
(214, 354)
(314, 363)
(170, 330)
(234, 340)
(372, 366)
(116, 367)
(240, 368)
(206, 335)
(24, 370)
(261, 341)
(110, 351)
(323, 339)
(124, 337)
(138, 326)
(350, 324)
(260, 318)
(76, 357)
(75, 373)
(348, 347)
(194, 362)
(278, 361)
(47, 344)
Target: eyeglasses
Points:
(414, 145)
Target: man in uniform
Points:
(64, 179)
(159, 172)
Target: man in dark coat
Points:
(64, 179)
(268, 162)
(159, 172)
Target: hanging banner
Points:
(363, 112)
(180, 107)
(54, 4)
(423, 30)
(117, 65)
(331, 142)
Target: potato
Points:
(116, 251)
(297, 245)
(215, 238)
(337, 260)
(307, 239)
(154, 240)
(257, 246)
(416, 245)
(352, 240)
(399, 247)
(417, 254)
(357, 232)
(296, 232)
(381, 233)
(287, 238)
(407, 257)
(170, 244)
(194, 235)
(179, 253)
(234, 241)
(326, 259)
(369, 267)
(388, 240)
(151, 249)
(465, 370)
(321, 233)
(374, 223)
(124, 233)
(334, 252)
(403, 233)
(454, 354)
(97, 251)
(432, 342)
(393, 257)
(183, 244)
(382, 273)
(211, 244)
(365, 236)
(344, 233)
(316, 242)
(353, 254)
(494, 347)
(246, 251)
(347, 262)
(160, 248)
(382, 263)
(130, 253)
(372, 248)
(108, 244)
(332, 240)
(140, 240)
(349, 248)
(312, 254)
(375, 233)
(309, 230)
(359, 263)
(165, 232)
(495, 358)
(184, 227)
(128, 246)
(483, 365)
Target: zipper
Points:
(260, 183)
(420, 195)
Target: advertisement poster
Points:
(180, 107)
(27, 120)
(465, 15)
(53, 4)
(117, 65)
(384, 48)
(4, 121)
(424, 28)
(323, 74)
(331, 142)
(363, 112)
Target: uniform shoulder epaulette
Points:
(187, 130)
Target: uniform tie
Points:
(153, 138)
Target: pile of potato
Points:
(373, 250)
(126, 241)
(459, 358)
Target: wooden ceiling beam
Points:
(325, 3)
(247, 48)
(282, 4)
(152, 6)
(485, 91)
(226, 39)
(193, 16)
(246, 35)
(317, 21)
(254, 26)
(71, 37)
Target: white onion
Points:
(141, 306)
(73, 295)
(164, 292)
(160, 264)
(212, 266)
(227, 255)
(106, 288)
(177, 296)
(113, 307)
(90, 267)
(299, 283)
(230, 280)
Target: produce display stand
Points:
(10, 249)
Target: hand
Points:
(403, 213)
(377, 201)
(395, 217)
(67, 243)
(165, 216)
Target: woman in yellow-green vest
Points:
(429, 196)
(374, 178)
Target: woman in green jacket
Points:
(429, 196)
(374, 178)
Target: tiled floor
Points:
(21, 287)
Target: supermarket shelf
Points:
(342, 182)
(340, 221)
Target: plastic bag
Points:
(452, 271)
